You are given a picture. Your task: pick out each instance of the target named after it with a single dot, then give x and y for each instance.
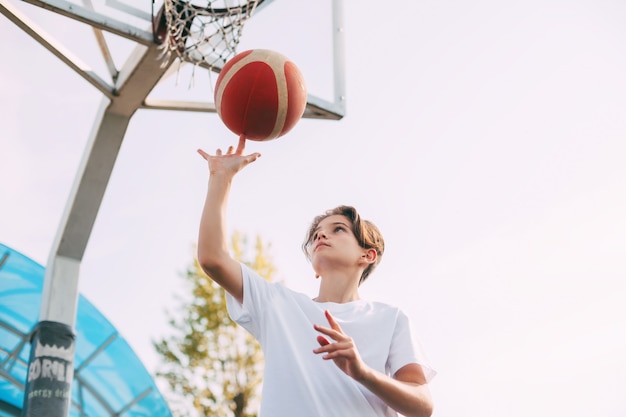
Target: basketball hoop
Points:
(205, 32)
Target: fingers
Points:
(203, 154)
(334, 350)
(252, 157)
(242, 144)
(332, 333)
(343, 351)
(206, 156)
(326, 346)
(335, 331)
(231, 151)
(331, 320)
(322, 341)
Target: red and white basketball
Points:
(260, 94)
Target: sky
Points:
(486, 139)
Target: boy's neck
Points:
(338, 290)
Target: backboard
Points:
(309, 33)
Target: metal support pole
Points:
(51, 364)
(48, 387)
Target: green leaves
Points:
(212, 366)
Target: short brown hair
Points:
(367, 235)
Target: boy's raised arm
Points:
(213, 253)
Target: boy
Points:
(363, 362)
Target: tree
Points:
(212, 366)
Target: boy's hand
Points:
(231, 162)
(343, 351)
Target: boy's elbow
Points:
(208, 262)
(224, 271)
(212, 263)
(426, 407)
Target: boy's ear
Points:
(370, 255)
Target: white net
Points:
(203, 32)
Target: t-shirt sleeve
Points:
(406, 349)
(257, 294)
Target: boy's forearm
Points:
(411, 400)
(212, 243)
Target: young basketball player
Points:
(335, 355)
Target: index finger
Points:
(336, 335)
(331, 320)
(241, 145)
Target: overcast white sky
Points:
(486, 139)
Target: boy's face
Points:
(334, 244)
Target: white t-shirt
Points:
(299, 383)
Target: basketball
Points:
(260, 94)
